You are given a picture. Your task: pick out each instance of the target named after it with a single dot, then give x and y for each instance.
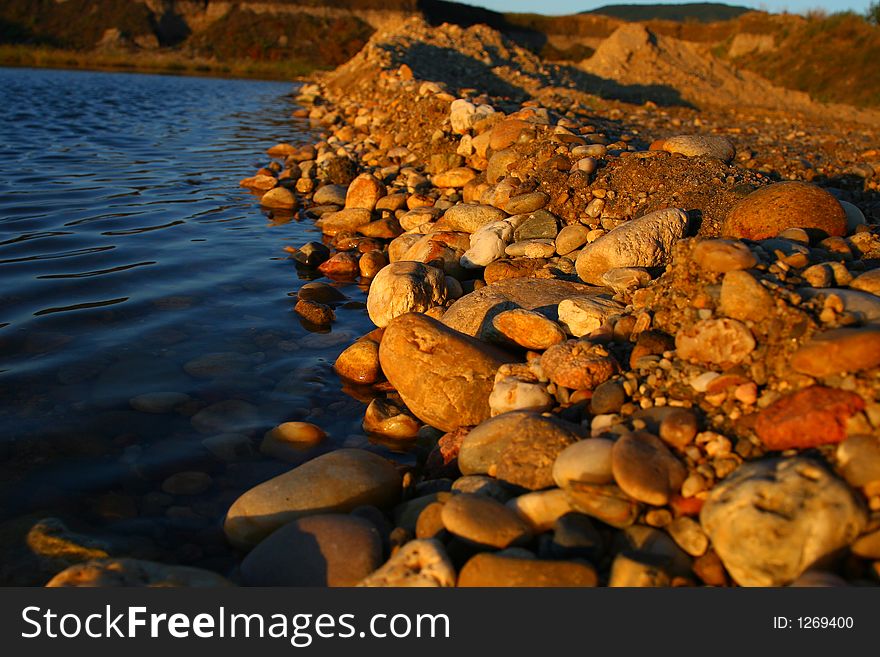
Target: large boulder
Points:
(773, 519)
(643, 242)
(443, 376)
(336, 482)
(791, 204)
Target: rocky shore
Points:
(639, 344)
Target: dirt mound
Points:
(476, 57)
(634, 55)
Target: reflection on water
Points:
(146, 324)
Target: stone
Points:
(314, 312)
(724, 342)
(364, 192)
(527, 329)
(863, 306)
(814, 416)
(810, 514)
(498, 166)
(575, 536)
(279, 198)
(468, 218)
(679, 427)
(720, 256)
(259, 182)
(624, 280)
(791, 204)
(518, 447)
(320, 292)
(715, 146)
(347, 220)
(867, 546)
(400, 245)
(441, 249)
(497, 570)
(839, 351)
(571, 238)
(506, 133)
(335, 482)
(463, 114)
(386, 418)
(484, 521)
(538, 225)
(443, 376)
(643, 242)
(487, 245)
(419, 563)
(607, 503)
(457, 177)
(281, 150)
(514, 394)
(645, 469)
(607, 397)
(106, 573)
(528, 202)
(343, 265)
(521, 267)
(532, 248)
(541, 509)
(689, 536)
(225, 416)
(634, 569)
(312, 254)
(474, 312)
(578, 364)
(744, 298)
(859, 459)
(288, 439)
(854, 216)
(868, 282)
(359, 363)
(582, 315)
(321, 550)
(404, 287)
(586, 461)
(330, 195)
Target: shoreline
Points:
(164, 63)
(621, 351)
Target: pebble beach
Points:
(633, 344)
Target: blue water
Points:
(127, 250)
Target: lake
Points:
(133, 264)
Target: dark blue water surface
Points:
(132, 263)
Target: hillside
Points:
(704, 12)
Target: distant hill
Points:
(704, 12)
